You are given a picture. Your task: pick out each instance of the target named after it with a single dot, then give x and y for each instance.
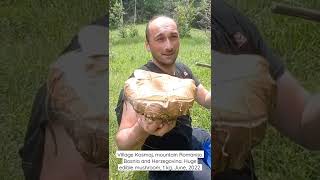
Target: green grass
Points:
(129, 54)
(297, 42)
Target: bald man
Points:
(163, 42)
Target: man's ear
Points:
(146, 44)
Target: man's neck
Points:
(168, 69)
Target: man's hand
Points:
(155, 127)
(135, 129)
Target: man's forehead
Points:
(163, 22)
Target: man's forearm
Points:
(310, 124)
(203, 97)
(208, 100)
(131, 138)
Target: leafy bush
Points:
(203, 16)
(184, 14)
(128, 31)
(116, 15)
(132, 31)
(123, 32)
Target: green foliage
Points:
(132, 31)
(116, 15)
(203, 15)
(152, 8)
(146, 9)
(127, 31)
(184, 15)
(186, 12)
(116, 21)
(122, 32)
(169, 7)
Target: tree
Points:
(116, 14)
(203, 15)
(184, 14)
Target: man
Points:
(162, 40)
(297, 112)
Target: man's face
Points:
(163, 41)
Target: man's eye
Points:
(174, 37)
(159, 39)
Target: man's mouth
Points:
(168, 54)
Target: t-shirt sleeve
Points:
(191, 76)
(254, 37)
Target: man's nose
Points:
(168, 45)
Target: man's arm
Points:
(130, 135)
(203, 97)
(298, 112)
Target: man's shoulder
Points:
(181, 64)
(145, 67)
(184, 69)
(150, 66)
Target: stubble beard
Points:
(165, 62)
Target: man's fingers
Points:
(156, 127)
(149, 126)
(172, 123)
(165, 128)
(153, 127)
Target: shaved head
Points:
(163, 41)
(153, 19)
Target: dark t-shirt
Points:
(180, 137)
(233, 33)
